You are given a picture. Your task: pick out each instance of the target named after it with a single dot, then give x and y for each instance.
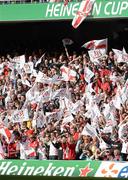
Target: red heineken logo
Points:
(84, 171)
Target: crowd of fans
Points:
(43, 116)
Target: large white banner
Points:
(20, 116)
(96, 54)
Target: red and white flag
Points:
(84, 10)
(96, 44)
(6, 133)
(68, 74)
(30, 152)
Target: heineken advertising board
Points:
(64, 168)
(57, 11)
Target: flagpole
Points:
(66, 50)
(65, 42)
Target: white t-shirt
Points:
(124, 148)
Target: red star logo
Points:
(84, 171)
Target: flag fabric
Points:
(6, 133)
(22, 152)
(96, 44)
(67, 41)
(19, 61)
(124, 51)
(89, 131)
(125, 57)
(84, 10)
(76, 107)
(121, 56)
(67, 73)
(47, 94)
(43, 78)
(68, 117)
(26, 82)
(1, 152)
(1, 68)
(39, 61)
(20, 116)
(59, 93)
(30, 152)
(118, 54)
(88, 74)
(96, 54)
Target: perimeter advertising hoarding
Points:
(64, 168)
(52, 178)
(57, 11)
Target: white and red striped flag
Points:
(96, 44)
(84, 10)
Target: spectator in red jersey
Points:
(33, 146)
(71, 155)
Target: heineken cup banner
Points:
(58, 11)
(64, 168)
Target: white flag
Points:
(124, 51)
(76, 107)
(68, 117)
(121, 56)
(88, 74)
(43, 78)
(1, 152)
(40, 59)
(96, 54)
(26, 82)
(59, 93)
(20, 116)
(19, 61)
(89, 131)
(96, 44)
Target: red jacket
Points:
(105, 72)
(105, 87)
(69, 151)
